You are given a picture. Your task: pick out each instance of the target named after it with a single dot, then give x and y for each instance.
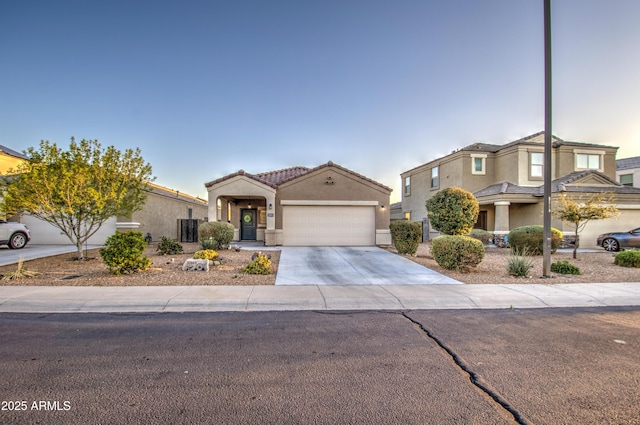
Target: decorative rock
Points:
(197, 265)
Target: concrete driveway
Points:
(31, 252)
(352, 266)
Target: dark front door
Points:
(248, 225)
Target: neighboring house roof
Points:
(278, 177)
(593, 181)
(628, 163)
(165, 191)
(11, 152)
(556, 142)
(531, 139)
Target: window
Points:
(585, 161)
(626, 179)
(478, 164)
(435, 181)
(407, 185)
(536, 159)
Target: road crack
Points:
(474, 378)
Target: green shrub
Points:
(564, 267)
(124, 253)
(628, 258)
(205, 254)
(215, 234)
(168, 246)
(406, 236)
(208, 243)
(457, 252)
(531, 238)
(519, 263)
(453, 211)
(260, 264)
(481, 235)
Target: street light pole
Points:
(546, 247)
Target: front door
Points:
(248, 225)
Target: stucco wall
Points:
(334, 184)
(161, 213)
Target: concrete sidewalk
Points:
(60, 299)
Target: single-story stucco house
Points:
(325, 205)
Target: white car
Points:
(16, 235)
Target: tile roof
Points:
(12, 152)
(278, 177)
(627, 163)
(565, 183)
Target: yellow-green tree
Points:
(77, 190)
(578, 210)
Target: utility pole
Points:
(546, 247)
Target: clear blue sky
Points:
(205, 88)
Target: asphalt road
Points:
(551, 366)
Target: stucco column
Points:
(501, 225)
(270, 232)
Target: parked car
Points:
(16, 235)
(616, 240)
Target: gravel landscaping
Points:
(166, 270)
(596, 267)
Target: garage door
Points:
(328, 225)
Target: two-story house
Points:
(628, 171)
(508, 182)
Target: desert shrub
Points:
(531, 238)
(519, 263)
(628, 258)
(453, 211)
(406, 236)
(455, 252)
(124, 253)
(205, 254)
(215, 234)
(481, 235)
(564, 267)
(168, 246)
(260, 264)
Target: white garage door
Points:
(328, 225)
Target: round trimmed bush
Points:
(454, 252)
(215, 234)
(124, 253)
(453, 211)
(530, 238)
(482, 235)
(406, 236)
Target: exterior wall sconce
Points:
(270, 206)
(382, 207)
